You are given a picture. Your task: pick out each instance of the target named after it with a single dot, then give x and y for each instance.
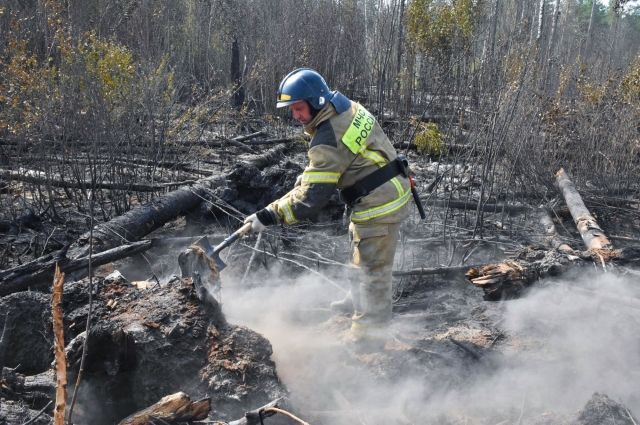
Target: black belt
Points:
(350, 195)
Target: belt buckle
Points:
(404, 165)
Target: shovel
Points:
(214, 252)
(203, 264)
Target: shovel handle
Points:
(243, 231)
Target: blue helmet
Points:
(304, 84)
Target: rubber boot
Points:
(367, 337)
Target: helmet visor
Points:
(285, 100)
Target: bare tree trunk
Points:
(399, 57)
(540, 21)
(236, 75)
(592, 235)
(38, 273)
(587, 41)
(550, 48)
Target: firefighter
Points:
(348, 151)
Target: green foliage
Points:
(630, 85)
(438, 27)
(591, 91)
(112, 66)
(24, 84)
(429, 139)
(584, 13)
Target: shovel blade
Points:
(209, 250)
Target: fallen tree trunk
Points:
(142, 220)
(18, 383)
(249, 136)
(37, 274)
(509, 278)
(551, 238)
(41, 180)
(473, 206)
(272, 156)
(126, 228)
(592, 235)
(431, 271)
(270, 141)
(220, 144)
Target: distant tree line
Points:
(539, 83)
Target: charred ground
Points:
(152, 336)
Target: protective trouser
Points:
(373, 247)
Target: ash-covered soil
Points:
(450, 357)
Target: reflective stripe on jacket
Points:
(345, 148)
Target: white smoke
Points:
(564, 341)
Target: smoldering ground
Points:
(563, 341)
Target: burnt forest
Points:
(135, 135)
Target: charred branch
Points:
(473, 206)
(37, 274)
(58, 348)
(432, 271)
(270, 141)
(249, 136)
(13, 412)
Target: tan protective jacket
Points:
(345, 148)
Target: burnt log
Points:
(171, 409)
(272, 156)
(142, 220)
(602, 410)
(146, 218)
(37, 274)
(14, 412)
(270, 141)
(33, 392)
(551, 237)
(428, 271)
(17, 383)
(41, 179)
(249, 136)
(147, 343)
(225, 142)
(508, 279)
